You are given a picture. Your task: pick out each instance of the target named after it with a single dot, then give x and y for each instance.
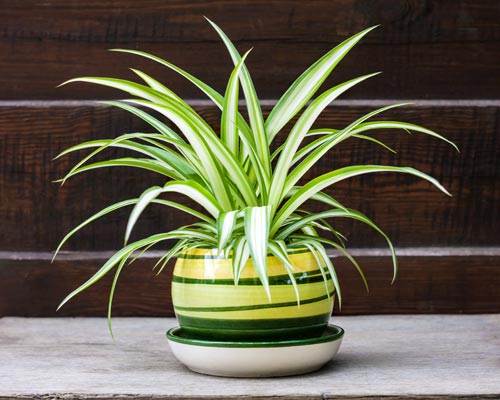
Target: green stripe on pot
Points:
(222, 257)
(301, 278)
(215, 296)
(253, 306)
(277, 323)
(252, 329)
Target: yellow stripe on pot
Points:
(201, 295)
(305, 310)
(221, 268)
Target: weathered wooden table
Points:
(408, 356)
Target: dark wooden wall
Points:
(444, 55)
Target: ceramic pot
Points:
(209, 306)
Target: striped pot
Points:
(209, 306)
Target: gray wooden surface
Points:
(453, 356)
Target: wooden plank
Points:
(411, 212)
(446, 49)
(181, 21)
(440, 357)
(272, 67)
(433, 280)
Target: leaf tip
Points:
(64, 83)
(209, 20)
(269, 298)
(110, 329)
(61, 304)
(366, 31)
(445, 191)
(371, 28)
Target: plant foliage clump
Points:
(251, 198)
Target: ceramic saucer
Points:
(255, 359)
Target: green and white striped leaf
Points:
(112, 292)
(278, 249)
(300, 170)
(297, 134)
(152, 121)
(142, 163)
(159, 152)
(257, 221)
(241, 255)
(307, 149)
(138, 254)
(376, 141)
(356, 215)
(225, 225)
(197, 193)
(194, 234)
(215, 96)
(212, 153)
(331, 269)
(307, 84)
(307, 220)
(155, 85)
(320, 196)
(144, 200)
(135, 89)
(127, 203)
(322, 260)
(310, 245)
(229, 128)
(173, 252)
(405, 126)
(326, 136)
(184, 117)
(320, 223)
(346, 254)
(212, 94)
(252, 102)
(321, 182)
(94, 217)
(114, 260)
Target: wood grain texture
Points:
(36, 213)
(77, 396)
(406, 357)
(429, 281)
(291, 20)
(427, 49)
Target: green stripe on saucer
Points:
(331, 333)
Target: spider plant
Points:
(251, 193)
